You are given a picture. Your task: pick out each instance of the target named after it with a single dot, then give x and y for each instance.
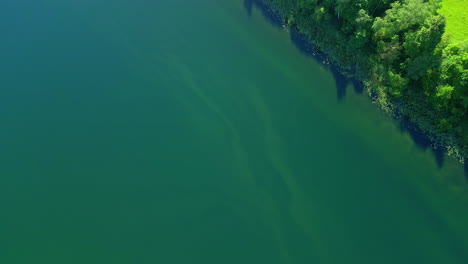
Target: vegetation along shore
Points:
(411, 56)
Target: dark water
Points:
(172, 131)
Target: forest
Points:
(409, 63)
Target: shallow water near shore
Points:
(197, 132)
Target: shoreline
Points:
(417, 127)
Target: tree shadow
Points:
(341, 82)
(422, 141)
(308, 49)
(465, 166)
(273, 17)
(248, 5)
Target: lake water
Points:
(196, 131)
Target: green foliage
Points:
(389, 51)
(444, 92)
(397, 84)
(454, 68)
(401, 17)
(426, 38)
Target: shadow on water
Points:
(422, 141)
(272, 17)
(309, 50)
(466, 169)
(342, 81)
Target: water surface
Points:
(191, 131)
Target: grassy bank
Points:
(456, 14)
(400, 50)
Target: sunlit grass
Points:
(456, 13)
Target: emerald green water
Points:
(188, 131)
